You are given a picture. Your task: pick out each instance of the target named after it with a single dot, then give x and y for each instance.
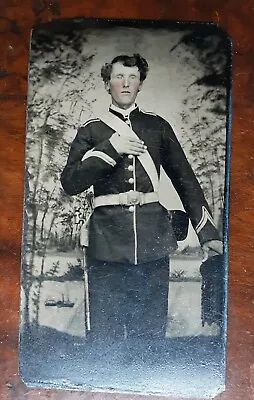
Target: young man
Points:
(130, 232)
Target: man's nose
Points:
(126, 82)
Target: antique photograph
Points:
(124, 263)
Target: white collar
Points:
(125, 113)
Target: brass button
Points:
(130, 168)
(131, 181)
(130, 156)
(131, 208)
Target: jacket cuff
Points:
(209, 232)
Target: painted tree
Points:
(204, 110)
(59, 77)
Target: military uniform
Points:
(133, 234)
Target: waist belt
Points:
(130, 198)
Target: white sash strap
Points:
(123, 129)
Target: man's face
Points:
(124, 85)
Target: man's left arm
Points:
(189, 190)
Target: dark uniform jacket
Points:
(133, 234)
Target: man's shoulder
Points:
(152, 116)
(94, 129)
(148, 113)
(92, 126)
(90, 122)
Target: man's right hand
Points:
(127, 144)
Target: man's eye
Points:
(119, 76)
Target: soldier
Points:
(130, 232)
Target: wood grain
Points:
(16, 20)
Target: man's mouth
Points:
(125, 92)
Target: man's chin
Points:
(125, 103)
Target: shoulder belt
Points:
(145, 158)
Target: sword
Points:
(86, 289)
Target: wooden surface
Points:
(16, 20)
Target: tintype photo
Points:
(124, 263)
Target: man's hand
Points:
(212, 245)
(127, 144)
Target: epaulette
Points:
(149, 113)
(90, 121)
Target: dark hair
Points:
(128, 61)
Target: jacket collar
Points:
(120, 112)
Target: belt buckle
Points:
(133, 198)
